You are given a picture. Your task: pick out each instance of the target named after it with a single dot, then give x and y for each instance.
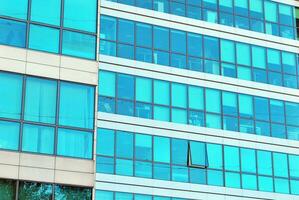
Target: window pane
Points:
(264, 160)
(227, 51)
(161, 113)
(213, 121)
(232, 180)
(286, 14)
(261, 114)
(8, 189)
(178, 41)
(248, 160)
(142, 197)
(231, 158)
(105, 142)
(143, 147)
(9, 135)
(196, 100)
(38, 139)
(256, 9)
(226, 5)
(76, 105)
(44, 38)
(265, 183)
(78, 45)
(33, 190)
(105, 165)
(215, 178)
(123, 196)
(14, 8)
(143, 169)
(125, 86)
(294, 166)
(249, 182)
(124, 144)
(12, 33)
(104, 195)
(230, 123)
(259, 57)
(11, 95)
(107, 83)
(108, 28)
(179, 116)
(281, 185)
(280, 164)
(270, 11)
(72, 192)
(124, 167)
(241, 7)
(46, 11)
(80, 14)
(277, 111)
(215, 156)
(179, 151)
(161, 149)
(289, 63)
(292, 110)
(179, 95)
(161, 38)
(194, 45)
(126, 32)
(198, 154)
(40, 100)
(211, 49)
(75, 143)
(213, 99)
(229, 103)
(243, 54)
(274, 59)
(161, 171)
(245, 105)
(143, 89)
(143, 35)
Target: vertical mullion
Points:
(61, 26)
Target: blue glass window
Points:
(12, 33)
(161, 38)
(227, 51)
(229, 103)
(214, 152)
(9, 135)
(265, 183)
(105, 142)
(107, 83)
(179, 116)
(194, 45)
(11, 91)
(215, 177)
(143, 169)
(274, 60)
(144, 3)
(40, 100)
(286, 14)
(241, 7)
(76, 105)
(143, 89)
(14, 8)
(104, 195)
(245, 105)
(294, 187)
(179, 151)
(80, 14)
(213, 100)
(161, 5)
(46, 11)
(211, 48)
(213, 121)
(125, 51)
(289, 62)
(226, 6)
(124, 167)
(161, 113)
(38, 139)
(261, 114)
(249, 181)
(105, 165)
(126, 31)
(277, 111)
(232, 180)
(292, 110)
(79, 45)
(198, 154)
(143, 35)
(108, 28)
(293, 166)
(271, 11)
(124, 144)
(248, 160)
(125, 86)
(243, 54)
(259, 57)
(211, 4)
(161, 171)
(161, 58)
(161, 92)
(179, 95)
(256, 9)
(107, 48)
(262, 128)
(178, 41)
(281, 185)
(74, 143)
(196, 97)
(161, 149)
(231, 158)
(143, 147)
(280, 164)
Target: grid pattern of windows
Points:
(165, 158)
(256, 15)
(23, 190)
(198, 106)
(109, 195)
(185, 50)
(46, 116)
(65, 27)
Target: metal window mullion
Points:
(22, 112)
(57, 116)
(61, 26)
(28, 23)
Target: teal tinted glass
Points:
(289, 62)
(249, 181)
(270, 11)
(178, 41)
(211, 47)
(243, 54)
(248, 160)
(214, 152)
(196, 98)
(125, 86)
(40, 100)
(294, 166)
(108, 28)
(105, 142)
(265, 183)
(231, 158)
(143, 35)
(161, 149)
(258, 57)
(104, 195)
(9, 135)
(292, 110)
(80, 14)
(38, 139)
(161, 113)
(277, 110)
(198, 154)
(46, 11)
(215, 178)
(76, 106)
(274, 59)
(14, 8)
(256, 8)
(194, 44)
(142, 197)
(232, 180)
(161, 92)
(244, 73)
(78, 45)
(281, 185)
(126, 31)
(74, 143)
(11, 91)
(123, 196)
(107, 83)
(229, 103)
(143, 147)
(179, 151)
(44, 38)
(227, 51)
(143, 89)
(280, 164)
(124, 167)
(294, 187)
(179, 116)
(179, 95)
(161, 38)
(213, 121)
(12, 33)
(245, 105)
(213, 99)
(286, 14)
(124, 144)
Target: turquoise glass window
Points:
(105, 142)
(76, 106)
(178, 41)
(294, 166)
(241, 7)
(107, 83)
(261, 114)
(14, 8)
(143, 35)
(142, 197)
(124, 167)
(161, 113)
(213, 121)
(281, 185)
(179, 95)
(227, 51)
(161, 171)
(108, 28)
(277, 111)
(179, 116)
(280, 164)
(80, 14)
(243, 54)
(244, 73)
(248, 160)
(179, 150)
(143, 89)
(289, 62)
(194, 44)
(73, 143)
(256, 9)
(198, 154)
(44, 38)
(249, 181)
(274, 60)
(215, 177)
(271, 11)
(161, 38)
(34, 190)
(232, 180)
(126, 31)
(226, 5)
(245, 105)
(265, 183)
(229, 103)
(125, 86)
(292, 110)
(211, 48)
(40, 100)
(78, 45)
(214, 152)
(213, 100)
(143, 169)
(104, 195)
(124, 144)
(286, 14)
(161, 149)
(294, 187)
(143, 147)
(12, 33)
(9, 135)
(231, 158)
(105, 165)
(259, 57)
(196, 98)
(38, 139)
(11, 92)
(46, 11)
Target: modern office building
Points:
(149, 99)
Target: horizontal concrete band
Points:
(181, 190)
(197, 78)
(197, 26)
(203, 134)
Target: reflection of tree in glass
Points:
(7, 189)
(35, 191)
(70, 193)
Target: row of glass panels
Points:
(147, 156)
(46, 116)
(109, 195)
(25, 190)
(188, 104)
(186, 50)
(256, 15)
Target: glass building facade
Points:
(149, 99)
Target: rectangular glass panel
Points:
(12, 33)
(161, 149)
(46, 11)
(213, 100)
(9, 135)
(143, 89)
(231, 158)
(124, 144)
(198, 154)
(105, 142)
(179, 95)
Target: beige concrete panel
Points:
(9, 171)
(43, 58)
(12, 65)
(78, 76)
(12, 53)
(42, 70)
(74, 178)
(77, 165)
(36, 174)
(79, 64)
(9, 158)
(41, 161)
